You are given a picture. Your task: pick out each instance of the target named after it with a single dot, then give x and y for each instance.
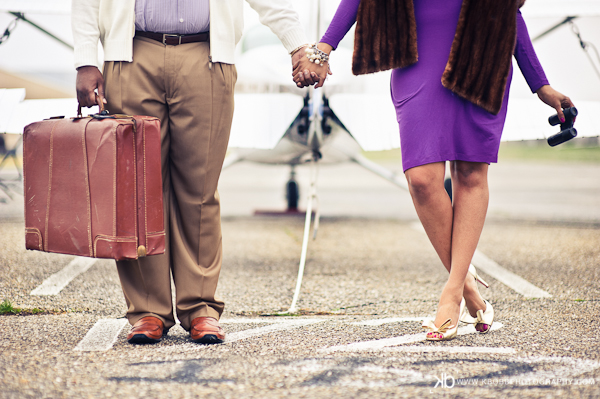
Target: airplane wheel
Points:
(448, 187)
(292, 195)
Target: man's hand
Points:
(555, 99)
(307, 73)
(90, 80)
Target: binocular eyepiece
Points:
(567, 131)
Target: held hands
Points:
(90, 87)
(307, 73)
(555, 99)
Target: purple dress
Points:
(435, 124)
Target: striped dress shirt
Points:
(172, 16)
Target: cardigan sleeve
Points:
(280, 16)
(527, 59)
(86, 31)
(343, 20)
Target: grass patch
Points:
(7, 309)
(298, 313)
(279, 314)
(540, 151)
(305, 312)
(535, 150)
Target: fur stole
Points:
(481, 53)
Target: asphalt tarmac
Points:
(371, 278)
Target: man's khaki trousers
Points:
(194, 101)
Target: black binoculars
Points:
(567, 131)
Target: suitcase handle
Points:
(99, 103)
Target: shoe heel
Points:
(473, 272)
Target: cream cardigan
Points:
(113, 23)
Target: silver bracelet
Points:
(316, 55)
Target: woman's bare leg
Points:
(437, 215)
(433, 205)
(471, 197)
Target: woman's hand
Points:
(302, 69)
(555, 99)
(307, 73)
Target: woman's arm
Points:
(527, 58)
(534, 73)
(343, 20)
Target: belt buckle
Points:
(166, 35)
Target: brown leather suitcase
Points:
(93, 186)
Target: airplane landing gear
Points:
(292, 192)
(448, 187)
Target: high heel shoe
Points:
(444, 332)
(484, 321)
(465, 316)
(473, 272)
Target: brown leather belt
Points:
(173, 39)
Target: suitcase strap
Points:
(103, 114)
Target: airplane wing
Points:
(36, 6)
(527, 119)
(19, 113)
(370, 119)
(260, 120)
(9, 100)
(561, 8)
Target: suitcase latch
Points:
(141, 251)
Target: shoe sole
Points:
(208, 339)
(142, 339)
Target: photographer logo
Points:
(443, 381)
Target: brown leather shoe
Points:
(206, 330)
(147, 330)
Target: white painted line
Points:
(282, 325)
(451, 349)
(568, 369)
(252, 321)
(380, 322)
(102, 336)
(506, 277)
(554, 372)
(59, 280)
(255, 332)
(379, 344)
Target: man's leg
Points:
(138, 89)
(200, 100)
